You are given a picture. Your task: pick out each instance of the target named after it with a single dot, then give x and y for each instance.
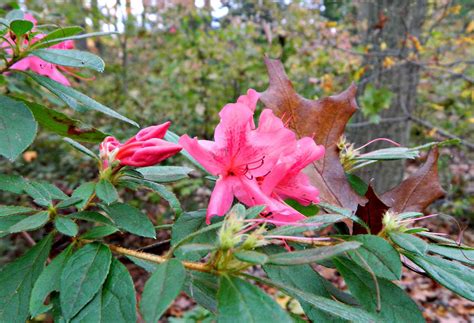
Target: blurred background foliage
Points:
(182, 60)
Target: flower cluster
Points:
(257, 165)
(146, 148)
(38, 65)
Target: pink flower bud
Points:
(146, 148)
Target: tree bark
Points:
(390, 22)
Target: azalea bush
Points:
(286, 200)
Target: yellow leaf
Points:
(470, 27)
(327, 83)
(388, 62)
(358, 74)
(455, 10)
(331, 24)
(383, 46)
(432, 132)
(471, 120)
(417, 44)
(437, 107)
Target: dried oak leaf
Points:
(324, 120)
(419, 190)
(371, 213)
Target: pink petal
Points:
(221, 199)
(201, 150)
(250, 99)
(157, 131)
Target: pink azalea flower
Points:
(242, 156)
(38, 65)
(146, 148)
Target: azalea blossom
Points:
(243, 155)
(38, 65)
(146, 148)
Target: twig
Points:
(28, 238)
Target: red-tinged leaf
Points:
(323, 119)
(419, 190)
(371, 213)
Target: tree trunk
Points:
(390, 22)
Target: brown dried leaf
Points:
(419, 190)
(371, 213)
(325, 119)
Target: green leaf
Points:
(15, 15)
(63, 32)
(332, 307)
(99, 232)
(242, 301)
(304, 278)
(169, 196)
(450, 274)
(48, 282)
(84, 191)
(81, 148)
(74, 98)
(252, 257)
(118, 296)
(63, 125)
(192, 224)
(12, 210)
(318, 222)
(66, 226)
(409, 242)
(17, 279)
(346, 212)
(202, 287)
(147, 265)
(82, 277)
(44, 193)
(91, 312)
(198, 247)
(17, 126)
(91, 216)
(6, 222)
(106, 191)
(310, 210)
(165, 174)
(68, 203)
(51, 42)
(71, 57)
(161, 289)
(31, 222)
(395, 305)
(130, 219)
(379, 255)
(311, 255)
(254, 211)
(12, 183)
(456, 253)
(21, 27)
(357, 184)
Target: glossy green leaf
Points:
(392, 304)
(84, 191)
(81, 148)
(17, 126)
(311, 255)
(254, 211)
(379, 255)
(318, 222)
(450, 274)
(12, 183)
(31, 222)
(202, 287)
(304, 278)
(130, 219)
(161, 289)
(118, 296)
(21, 27)
(252, 257)
(238, 299)
(460, 254)
(48, 282)
(409, 242)
(50, 42)
(63, 125)
(72, 201)
(17, 279)
(82, 277)
(106, 191)
(66, 226)
(71, 57)
(62, 32)
(99, 232)
(75, 99)
(169, 196)
(44, 193)
(91, 312)
(357, 184)
(91, 216)
(13, 209)
(310, 210)
(165, 174)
